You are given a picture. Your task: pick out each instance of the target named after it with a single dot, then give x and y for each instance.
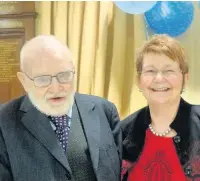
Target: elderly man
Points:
(53, 133)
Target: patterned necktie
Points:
(62, 124)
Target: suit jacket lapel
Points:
(91, 125)
(39, 126)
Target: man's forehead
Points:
(52, 54)
(48, 65)
(36, 54)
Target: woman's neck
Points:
(162, 115)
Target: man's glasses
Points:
(45, 80)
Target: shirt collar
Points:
(69, 114)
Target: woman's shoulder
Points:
(195, 108)
(195, 115)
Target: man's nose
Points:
(55, 86)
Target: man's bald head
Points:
(40, 46)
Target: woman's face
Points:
(161, 79)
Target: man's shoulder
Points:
(91, 98)
(11, 106)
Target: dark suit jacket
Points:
(186, 142)
(30, 151)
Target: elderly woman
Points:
(161, 142)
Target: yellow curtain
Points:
(103, 40)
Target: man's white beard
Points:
(52, 110)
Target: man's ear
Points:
(21, 77)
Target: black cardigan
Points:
(187, 140)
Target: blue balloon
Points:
(170, 17)
(135, 7)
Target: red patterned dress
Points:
(158, 161)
